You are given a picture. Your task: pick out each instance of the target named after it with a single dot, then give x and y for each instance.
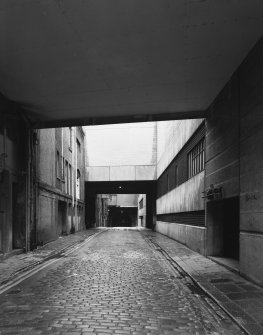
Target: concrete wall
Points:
(251, 164)
(187, 197)
(121, 152)
(171, 137)
(116, 173)
(234, 156)
(193, 237)
(222, 141)
(184, 198)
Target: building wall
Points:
(171, 137)
(251, 164)
(14, 157)
(111, 209)
(235, 161)
(180, 206)
(142, 210)
(121, 152)
(60, 157)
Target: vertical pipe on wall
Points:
(76, 173)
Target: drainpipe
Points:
(72, 166)
(62, 152)
(76, 173)
(29, 186)
(28, 192)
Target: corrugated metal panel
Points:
(196, 218)
(181, 162)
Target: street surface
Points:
(116, 284)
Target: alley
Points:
(118, 283)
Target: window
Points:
(168, 182)
(78, 185)
(175, 175)
(70, 179)
(196, 159)
(70, 138)
(62, 168)
(141, 204)
(66, 178)
(58, 164)
(78, 145)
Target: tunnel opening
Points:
(117, 204)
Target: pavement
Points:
(12, 267)
(126, 282)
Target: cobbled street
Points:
(118, 283)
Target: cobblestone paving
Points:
(116, 284)
(9, 267)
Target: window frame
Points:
(196, 159)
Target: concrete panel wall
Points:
(222, 141)
(121, 144)
(97, 173)
(171, 137)
(184, 198)
(251, 164)
(122, 173)
(251, 251)
(144, 172)
(234, 157)
(119, 173)
(121, 152)
(193, 237)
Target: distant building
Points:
(61, 171)
(142, 210)
(116, 210)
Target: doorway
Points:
(62, 218)
(223, 228)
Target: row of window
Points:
(64, 173)
(70, 141)
(196, 159)
(187, 166)
(195, 162)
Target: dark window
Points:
(70, 138)
(66, 178)
(141, 204)
(196, 159)
(70, 179)
(78, 145)
(58, 164)
(175, 175)
(63, 168)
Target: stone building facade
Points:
(61, 159)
